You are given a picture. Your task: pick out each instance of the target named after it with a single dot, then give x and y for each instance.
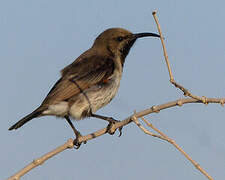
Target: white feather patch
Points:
(59, 109)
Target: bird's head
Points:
(118, 41)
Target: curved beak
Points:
(140, 35)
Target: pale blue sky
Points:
(39, 38)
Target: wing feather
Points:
(78, 77)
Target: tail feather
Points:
(27, 118)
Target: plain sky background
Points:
(39, 38)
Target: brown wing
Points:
(80, 76)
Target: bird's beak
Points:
(131, 40)
(140, 35)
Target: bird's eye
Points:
(119, 38)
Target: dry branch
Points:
(153, 109)
(171, 141)
(39, 161)
(179, 86)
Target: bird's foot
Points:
(110, 125)
(76, 142)
(111, 121)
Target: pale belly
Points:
(93, 99)
(87, 102)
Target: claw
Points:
(109, 127)
(76, 143)
(120, 130)
(111, 122)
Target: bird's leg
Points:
(111, 122)
(76, 132)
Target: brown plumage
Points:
(86, 74)
(91, 81)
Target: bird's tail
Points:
(27, 118)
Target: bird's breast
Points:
(95, 97)
(101, 94)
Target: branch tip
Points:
(154, 12)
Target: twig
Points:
(42, 159)
(145, 130)
(163, 45)
(153, 109)
(185, 91)
(197, 166)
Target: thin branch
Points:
(163, 45)
(42, 159)
(82, 139)
(197, 166)
(185, 91)
(145, 130)
(153, 109)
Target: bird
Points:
(90, 82)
